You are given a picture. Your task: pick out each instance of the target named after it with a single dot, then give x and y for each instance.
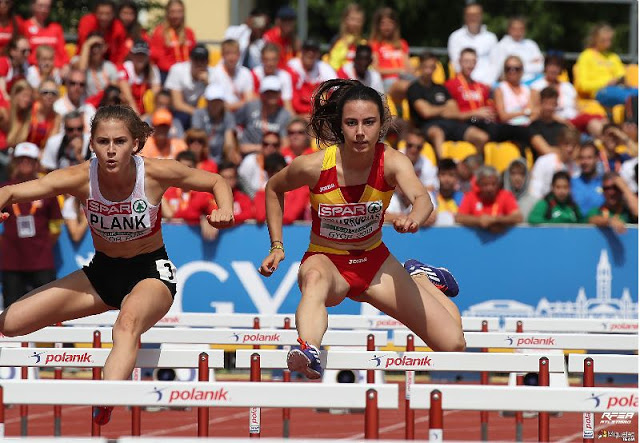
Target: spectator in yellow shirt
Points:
(599, 72)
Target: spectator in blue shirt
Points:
(587, 187)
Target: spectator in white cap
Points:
(270, 55)
(219, 123)
(258, 117)
(29, 233)
(139, 75)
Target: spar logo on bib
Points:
(139, 206)
(349, 221)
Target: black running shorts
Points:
(114, 278)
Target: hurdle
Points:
(586, 325)
(201, 394)
(213, 320)
(223, 336)
(414, 361)
(437, 398)
(204, 360)
(609, 342)
(605, 363)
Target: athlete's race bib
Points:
(351, 221)
(119, 222)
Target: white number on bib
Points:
(166, 270)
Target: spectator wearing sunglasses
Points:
(74, 98)
(68, 148)
(513, 98)
(620, 205)
(298, 139)
(258, 117)
(45, 122)
(196, 140)
(251, 172)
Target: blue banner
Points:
(527, 271)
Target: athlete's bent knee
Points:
(311, 279)
(126, 324)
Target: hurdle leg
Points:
(254, 413)
(97, 375)
(409, 379)
(543, 417)
(1, 412)
(371, 346)
(24, 409)
(588, 425)
(286, 377)
(371, 416)
(435, 416)
(484, 379)
(518, 414)
(136, 425)
(57, 409)
(203, 412)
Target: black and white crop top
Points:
(126, 220)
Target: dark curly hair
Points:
(328, 102)
(139, 130)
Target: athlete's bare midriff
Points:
(130, 248)
(351, 246)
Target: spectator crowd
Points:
(498, 135)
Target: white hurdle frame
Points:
(222, 336)
(584, 325)
(610, 342)
(213, 320)
(203, 395)
(505, 398)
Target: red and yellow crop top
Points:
(348, 214)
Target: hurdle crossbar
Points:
(586, 325)
(222, 336)
(530, 398)
(336, 321)
(194, 394)
(617, 342)
(91, 358)
(410, 361)
(604, 363)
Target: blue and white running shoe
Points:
(440, 277)
(305, 360)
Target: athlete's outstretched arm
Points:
(409, 183)
(299, 173)
(173, 173)
(60, 181)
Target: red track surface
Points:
(234, 422)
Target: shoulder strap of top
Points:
(139, 187)
(93, 177)
(329, 160)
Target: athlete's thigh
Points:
(319, 276)
(394, 292)
(148, 302)
(64, 299)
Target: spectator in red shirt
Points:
(29, 234)
(14, 65)
(138, 75)
(104, 21)
(299, 141)
(391, 54)
(191, 207)
(242, 204)
(197, 142)
(296, 202)
(128, 16)
(10, 23)
(308, 72)
(172, 41)
(283, 34)
(40, 31)
(489, 207)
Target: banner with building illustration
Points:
(527, 271)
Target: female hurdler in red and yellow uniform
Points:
(351, 185)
